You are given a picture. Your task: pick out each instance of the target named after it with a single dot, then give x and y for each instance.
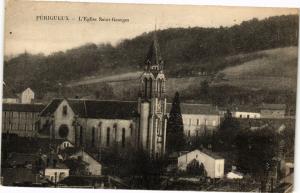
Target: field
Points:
(272, 70)
(276, 69)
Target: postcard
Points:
(151, 97)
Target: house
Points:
(93, 167)
(27, 96)
(56, 173)
(21, 119)
(22, 160)
(242, 112)
(22, 177)
(213, 164)
(77, 157)
(198, 119)
(54, 169)
(10, 100)
(273, 111)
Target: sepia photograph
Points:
(149, 96)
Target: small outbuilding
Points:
(213, 164)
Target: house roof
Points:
(235, 108)
(13, 175)
(273, 106)
(51, 107)
(58, 165)
(188, 108)
(22, 158)
(205, 151)
(18, 107)
(96, 108)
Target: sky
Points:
(24, 32)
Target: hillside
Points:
(187, 53)
(264, 76)
(276, 69)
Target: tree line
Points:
(185, 51)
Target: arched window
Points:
(93, 137)
(150, 88)
(115, 126)
(160, 87)
(100, 132)
(107, 136)
(146, 86)
(80, 135)
(131, 129)
(123, 137)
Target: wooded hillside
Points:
(186, 51)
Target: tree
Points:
(204, 88)
(175, 135)
(226, 135)
(256, 152)
(195, 168)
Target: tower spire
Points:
(154, 60)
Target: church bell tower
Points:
(152, 104)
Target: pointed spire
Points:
(154, 59)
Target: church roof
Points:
(96, 108)
(187, 108)
(51, 107)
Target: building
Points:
(21, 119)
(106, 124)
(27, 96)
(242, 112)
(10, 100)
(93, 168)
(213, 164)
(198, 119)
(54, 169)
(265, 111)
(273, 111)
(56, 173)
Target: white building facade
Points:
(213, 164)
(27, 96)
(199, 119)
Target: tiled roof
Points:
(187, 108)
(96, 108)
(18, 107)
(205, 151)
(273, 106)
(111, 109)
(58, 165)
(211, 154)
(51, 107)
(22, 158)
(235, 108)
(20, 175)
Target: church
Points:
(123, 124)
